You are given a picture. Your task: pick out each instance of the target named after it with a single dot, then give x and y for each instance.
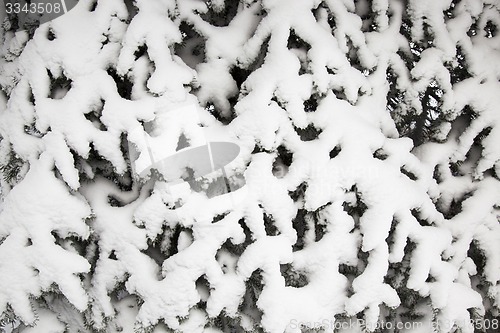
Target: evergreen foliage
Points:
(366, 185)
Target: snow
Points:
(88, 218)
(28, 249)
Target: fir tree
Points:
(365, 184)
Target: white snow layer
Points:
(51, 202)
